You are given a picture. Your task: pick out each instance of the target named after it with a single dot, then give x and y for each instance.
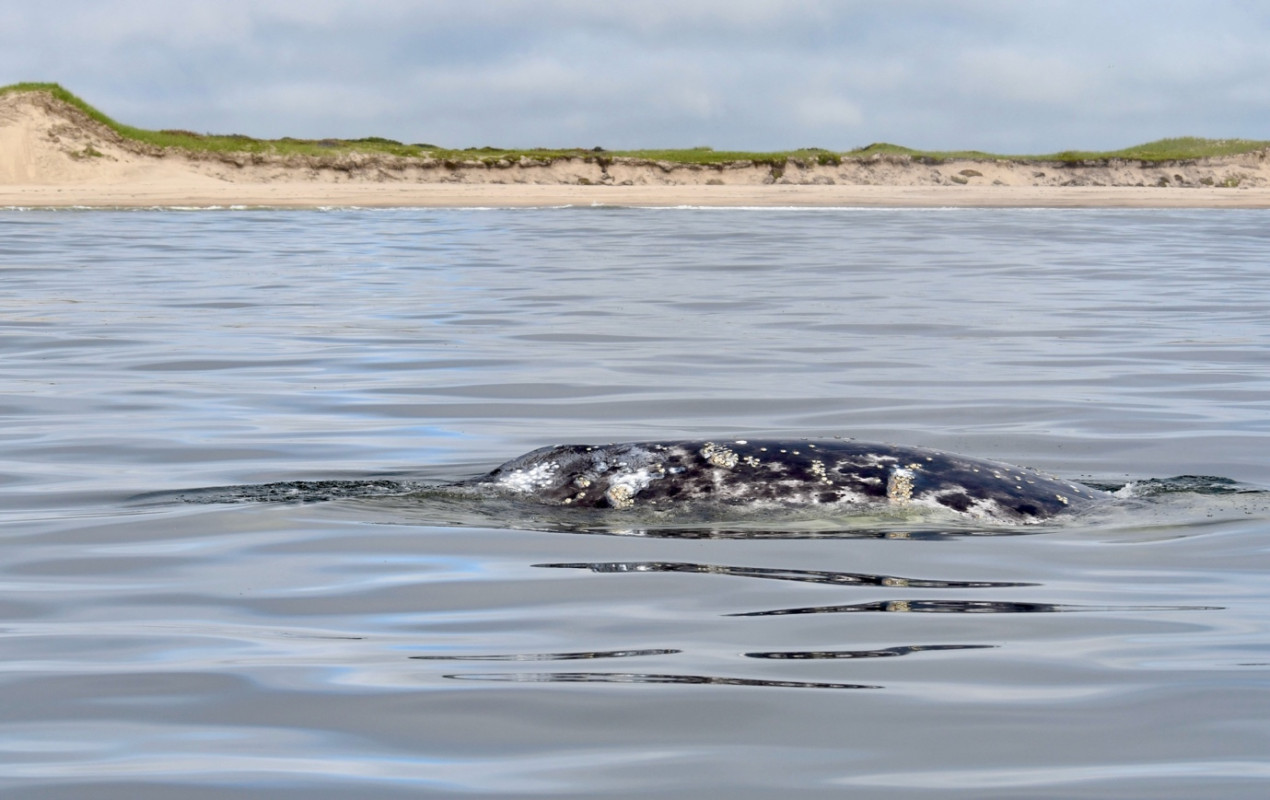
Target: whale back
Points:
(835, 474)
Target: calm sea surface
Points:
(214, 582)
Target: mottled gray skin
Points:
(838, 475)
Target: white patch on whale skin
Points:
(539, 476)
(980, 509)
(874, 460)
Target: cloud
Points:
(746, 74)
(817, 112)
(1026, 77)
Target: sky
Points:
(1006, 76)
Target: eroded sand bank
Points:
(52, 155)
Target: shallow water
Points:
(314, 630)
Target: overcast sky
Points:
(1012, 76)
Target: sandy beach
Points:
(192, 193)
(52, 155)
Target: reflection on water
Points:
(885, 652)
(956, 607)
(550, 656)
(636, 677)
(804, 575)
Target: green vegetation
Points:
(224, 143)
(888, 149)
(1177, 149)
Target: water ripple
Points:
(802, 575)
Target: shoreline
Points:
(312, 194)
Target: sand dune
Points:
(52, 154)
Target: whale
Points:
(833, 475)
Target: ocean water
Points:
(217, 583)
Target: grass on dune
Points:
(1179, 148)
(1174, 149)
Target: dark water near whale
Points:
(216, 584)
